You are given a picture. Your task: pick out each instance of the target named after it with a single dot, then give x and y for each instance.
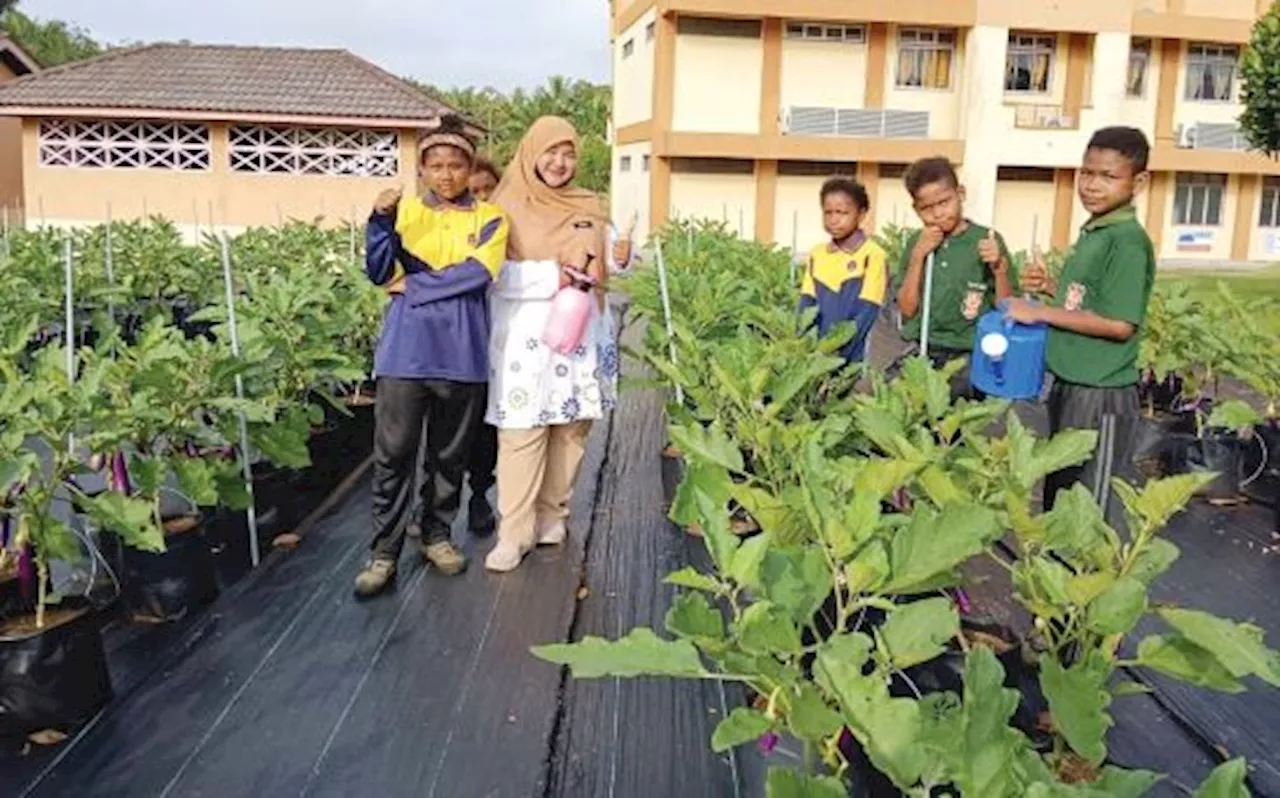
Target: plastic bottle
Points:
(570, 312)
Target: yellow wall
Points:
(825, 74)
(893, 204)
(220, 197)
(717, 87)
(629, 192)
(1230, 9)
(729, 197)
(1021, 206)
(1140, 112)
(798, 209)
(11, 169)
(633, 76)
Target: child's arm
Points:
(875, 283)
(475, 272)
(912, 284)
(1118, 309)
(808, 291)
(995, 255)
(382, 241)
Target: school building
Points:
(210, 137)
(739, 109)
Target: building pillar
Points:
(1064, 203)
(983, 117)
(877, 58)
(1157, 199)
(1077, 65)
(1167, 91)
(869, 176)
(1246, 216)
(766, 201)
(766, 171)
(664, 81)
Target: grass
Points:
(1253, 283)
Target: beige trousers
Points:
(537, 469)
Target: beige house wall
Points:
(718, 85)
(217, 198)
(633, 74)
(718, 197)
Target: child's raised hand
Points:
(989, 251)
(388, 200)
(1022, 311)
(929, 240)
(1035, 276)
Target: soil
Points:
(25, 625)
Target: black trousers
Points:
(1115, 413)
(452, 412)
(483, 465)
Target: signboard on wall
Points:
(1271, 242)
(1195, 240)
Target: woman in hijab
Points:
(544, 403)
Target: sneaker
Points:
(375, 577)
(481, 520)
(552, 533)
(504, 557)
(445, 556)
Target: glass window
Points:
(1139, 61)
(925, 56)
(628, 47)
(1269, 214)
(624, 163)
(1211, 72)
(1029, 62)
(1197, 199)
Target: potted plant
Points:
(53, 671)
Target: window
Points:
(91, 144)
(628, 47)
(624, 163)
(1029, 62)
(1135, 84)
(925, 56)
(1269, 214)
(822, 169)
(822, 32)
(650, 31)
(1197, 199)
(702, 26)
(645, 163)
(314, 151)
(1211, 72)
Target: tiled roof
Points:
(225, 81)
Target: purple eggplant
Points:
(120, 474)
(26, 571)
(6, 532)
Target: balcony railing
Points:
(1212, 136)
(1044, 117)
(887, 123)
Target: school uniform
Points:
(963, 289)
(432, 363)
(846, 282)
(1111, 272)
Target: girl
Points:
(542, 403)
(438, 254)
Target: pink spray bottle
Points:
(570, 312)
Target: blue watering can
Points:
(1008, 357)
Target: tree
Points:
(1261, 74)
(49, 42)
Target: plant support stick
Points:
(251, 513)
(71, 324)
(666, 312)
(928, 300)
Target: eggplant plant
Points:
(47, 422)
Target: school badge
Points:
(1075, 296)
(972, 302)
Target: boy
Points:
(970, 270)
(484, 179)
(846, 278)
(437, 255)
(1098, 308)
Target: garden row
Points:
(844, 614)
(122, 469)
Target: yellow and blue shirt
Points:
(846, 283)
(437, 261)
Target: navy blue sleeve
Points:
(382, 248)
(467, 277)
(864, 316)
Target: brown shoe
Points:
(375, 577)
(445, 556)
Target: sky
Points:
(500, 43)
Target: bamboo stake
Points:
(666, 312)
(69, 307)
(109, 262)
(928, 299)
(251, 513)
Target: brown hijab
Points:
(564, 224)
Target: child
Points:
(845, 278)
(484, 179)
(970, 270)
(438, 254)
(1098, 308)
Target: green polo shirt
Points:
(963, 289)
(1110, 272)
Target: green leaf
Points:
(797, 579)
(846, 652)
(197, 480)
(1119, 609)
(16, 469)
(1075, 524)
(690, 578)
(935, 543)
(868, 571)
(742, 726)
(1124, 689)
(879, 476)
(1226, 781)
(1160, 499)
(1184, 660)
(692, 616)
(919, 631)
(132, 519)
(1238, 646)
(1119, 783)
(747, 560)
(1234, 414)
(986, 766)
(1157, 557)
(640, 653)
(774, 514)
(1067, 448)
(708, 444)
(810, 718)
(786, 783)
(1078, 700)
(766, 629)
